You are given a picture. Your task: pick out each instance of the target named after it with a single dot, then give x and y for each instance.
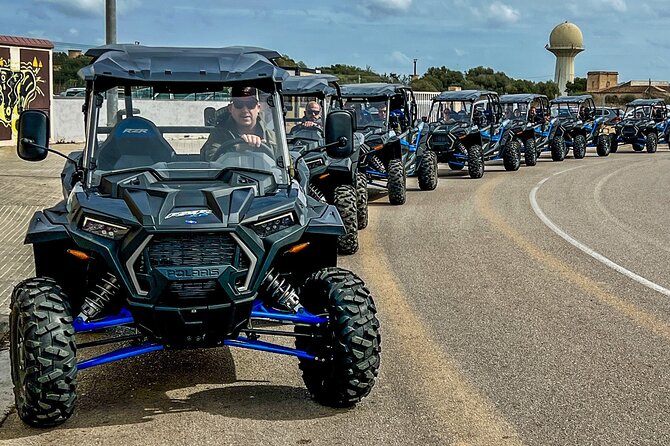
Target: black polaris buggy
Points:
(393, 138)
(183, 247)
(532, 125)
(466, 128)
(579, 125)
(331, 180)
(645, 123)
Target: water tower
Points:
(565, 41)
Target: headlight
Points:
(268, 227)
(104, 229)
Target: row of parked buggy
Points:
(155, 246)
(464, 129)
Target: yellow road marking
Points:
(483, 204)
(467, 415)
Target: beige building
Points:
(600, 80)
(605, 88)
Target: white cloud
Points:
(504, 13)
(88, 8)
(385, 6)
(496, 13)
(393, 5)
(73, 32)
(617, 5)
(459, 52)
(400, 58)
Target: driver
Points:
(239, 121)
(312, 115)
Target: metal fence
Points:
(423, 101)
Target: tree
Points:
(352, 74)
(548, 88)
(577, 86)
(286, 62)
(480, 78)
(445, 77)
(65, 71)
(424, 84)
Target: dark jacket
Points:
(226, 130)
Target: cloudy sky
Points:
(508, 35)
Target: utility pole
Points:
(110, 38)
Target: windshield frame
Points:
(464, 104)
(93, 104)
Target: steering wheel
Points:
(299, 130)
(226, 147)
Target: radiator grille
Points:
(192, 250)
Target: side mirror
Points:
(340, 133)
(33, 137)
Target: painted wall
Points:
(68, 120)
(67, 123)
(25, 83)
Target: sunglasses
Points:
(314, 112)
(248, 103)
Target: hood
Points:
(143, 200)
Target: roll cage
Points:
(175, 70)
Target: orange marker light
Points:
(79, 254)
(297, 248)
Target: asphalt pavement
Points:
(524, 308)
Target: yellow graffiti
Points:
(18, 89)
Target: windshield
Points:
(565, 110)
(638, 112)
(304, 116)
(515, 110)
(450, 111)
(370, 114)
(200, 136)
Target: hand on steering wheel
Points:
(245, 146)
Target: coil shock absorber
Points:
(316, 193)
(101, 294)
(281, 292)
(377, 164)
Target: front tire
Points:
(614, 143)
(475, 161)
(348, 347)
(362, 200)
(603, 145)
(344, 200)
(579, 147)
(530, 152)
(512, 156)
(427, 174)
(42, 353)
(557, 148)
(397, 182)
(652, 142)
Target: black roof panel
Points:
(137, 64)
(646, 102)
(462, 95)
(313, 85)
(571, 99)
(522, 97)
(371, 90)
